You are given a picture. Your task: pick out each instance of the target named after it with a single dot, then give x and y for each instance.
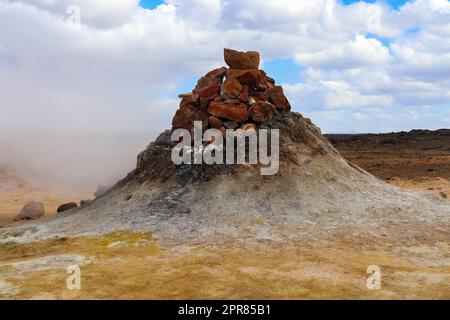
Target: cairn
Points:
(238, 97)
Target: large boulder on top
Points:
(242, 60)
(32, 210)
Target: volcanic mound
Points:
(315, 196)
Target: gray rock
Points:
(32, 210)
(84, 203)
(231, 125)
(67, 206)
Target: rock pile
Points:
(241, 96)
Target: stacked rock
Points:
(241, 96)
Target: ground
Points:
(130, 265)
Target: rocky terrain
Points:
(418, 160)
(221, 231)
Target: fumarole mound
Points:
(316, 196)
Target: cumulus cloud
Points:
(122, 67)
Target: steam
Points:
(69, 159)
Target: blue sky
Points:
(394, 3)
(338, 68)
(150, 4)
(285, 70)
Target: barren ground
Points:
(132, 265)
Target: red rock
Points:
(262, 111)
(185, 95)
(217, 73)
(242, 60)
(212, 89)
(244, 95)
(205, 101)
(232, 101)
(205, 82)
(251, 78)
(184, 118)
(259, 95)
(215, 123)
(231, 88)
(235, 112)
(277, 97)
(191, 99)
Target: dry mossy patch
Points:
(136, 267)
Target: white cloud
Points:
(121, 67)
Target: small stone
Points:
(231, 125)
(84, 203)
(444, 195)
(235, 112)
(248, 127)
(262, 111)
(185, 95)
(32, 210)
(66, 207)
(215, 122)
(251, 101)
(117, 244)
(242, 60)
(231, 88)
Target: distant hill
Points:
(414, 141)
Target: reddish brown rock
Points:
(244, 95)
(205, 101)
(212, 89)
(277, 97)
(235, 112)
(215, 122)
(259, 95)
(262, 111)
(185, 95)
(242, 60)
(232, 101)
(184, 118)
(217, 73)
(205, 82)
(231, 88)
(189, 99)
(251, 78)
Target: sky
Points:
(102, 65)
